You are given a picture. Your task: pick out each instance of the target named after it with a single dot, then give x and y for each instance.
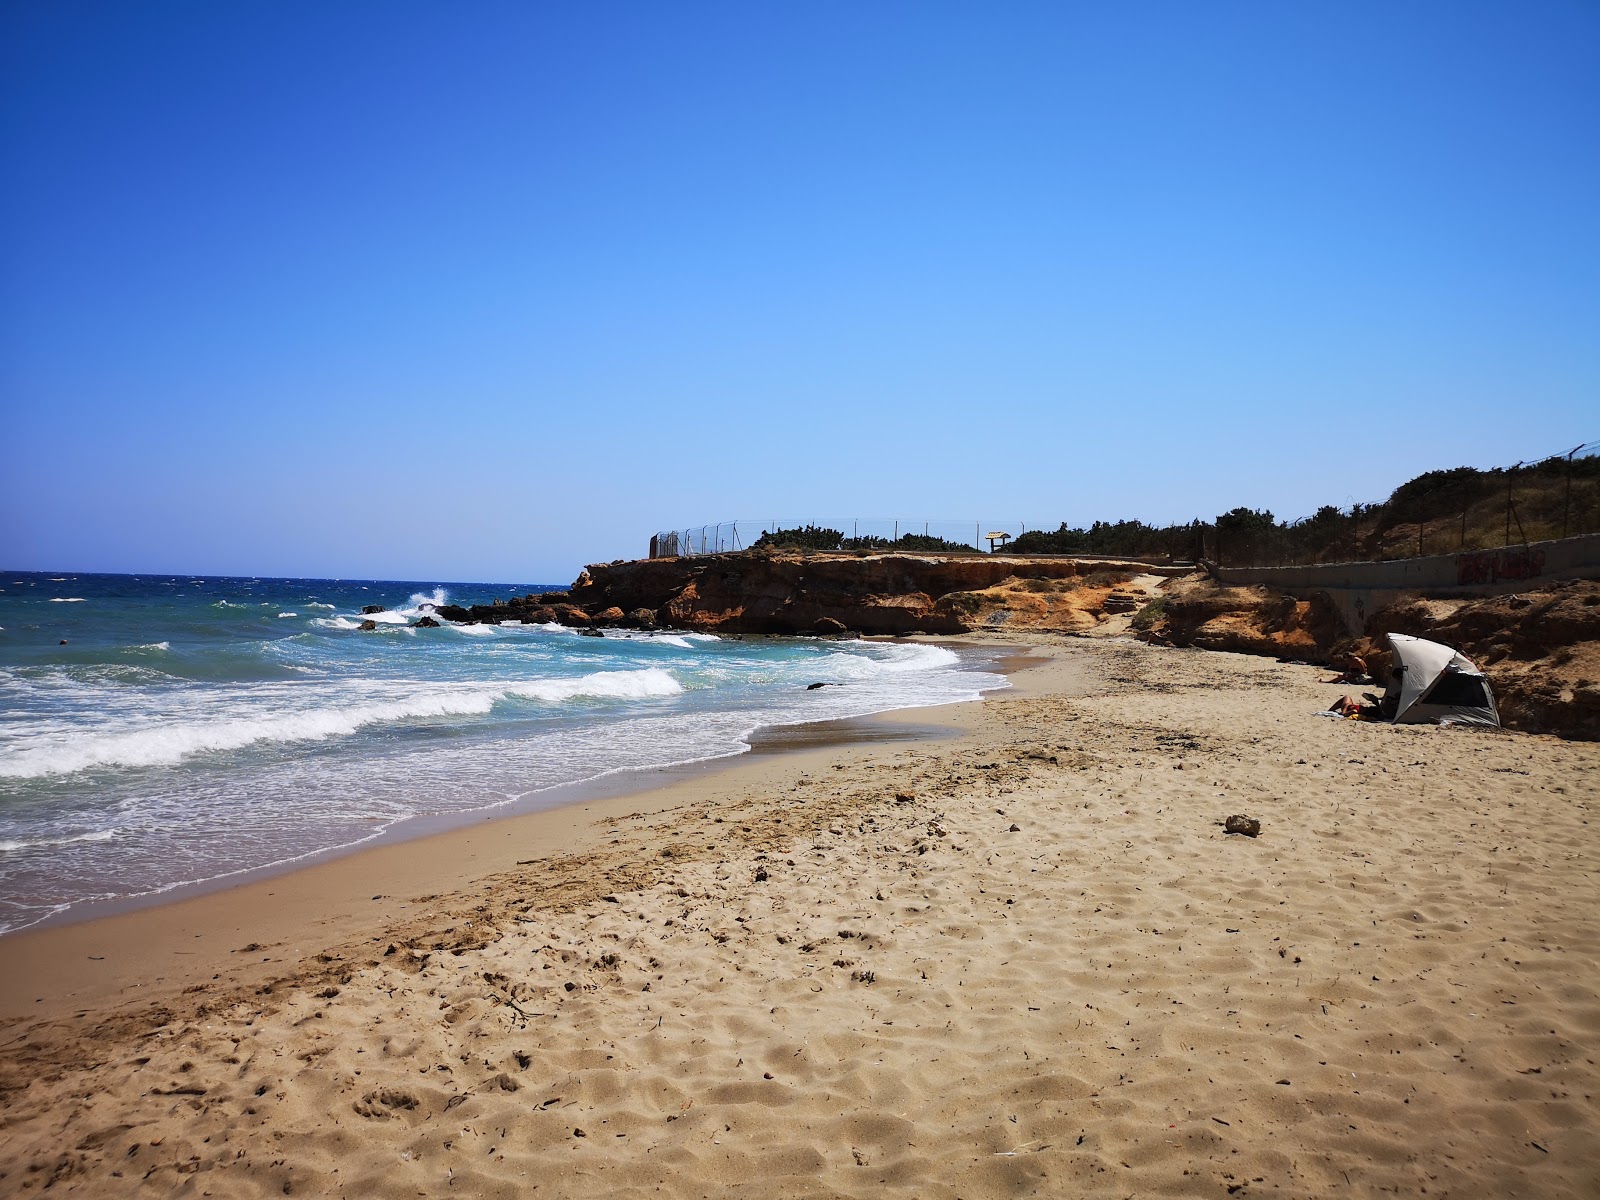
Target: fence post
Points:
(1508, 503)
(1566, 504)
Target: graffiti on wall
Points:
(1491, 566)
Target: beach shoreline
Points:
(215, 861)
(116, 940)
(1022, 955)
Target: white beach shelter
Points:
(1436, 684)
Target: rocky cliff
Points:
(786, 593)
(1540, 648)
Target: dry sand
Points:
(1022, 960)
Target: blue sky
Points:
(488, 291)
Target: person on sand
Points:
(1352, 668)
(1352, 709)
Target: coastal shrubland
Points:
(1462, 508)
(818, 537)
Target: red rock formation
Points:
(1540, 648)
(1247, 620)
(793, 593)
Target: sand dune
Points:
(1023, 960)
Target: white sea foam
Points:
(67, 600)
(620, 685)
(9, 844)
(288, 614)
(159, 646)
(907, 657)
(431, 599)
(180, 739)
(336, 623)
(385, 618)
(172, 743)
(317, 604)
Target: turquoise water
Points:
(192, 728)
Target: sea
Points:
(159, 732)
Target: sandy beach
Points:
(1021, 958)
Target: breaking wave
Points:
(170, 744)
(10, 844)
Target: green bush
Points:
(811, 537)
(919, 542)
(1105, 578)
(1151, 614)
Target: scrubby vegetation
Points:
(816, 537)
(1462, 508)
(1150, 615)
(910, 541)
(808, 537)
(1437, 512)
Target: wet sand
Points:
(1019, 958)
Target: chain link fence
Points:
(1443, 511)
(952, 536)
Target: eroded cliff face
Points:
(1195, 611)
(871, 594)
(832, 593)
(1540, 648)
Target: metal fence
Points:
(854, 533)
(1545, 497)
(1542, 498)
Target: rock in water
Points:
(369, 626)
(1238, 823)
(426, 623)
(368, 609)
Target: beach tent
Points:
(1433, 683)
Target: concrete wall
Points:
(1360, 588)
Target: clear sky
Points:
(489, 290)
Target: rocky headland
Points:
(795, 593)
(1540, 647)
